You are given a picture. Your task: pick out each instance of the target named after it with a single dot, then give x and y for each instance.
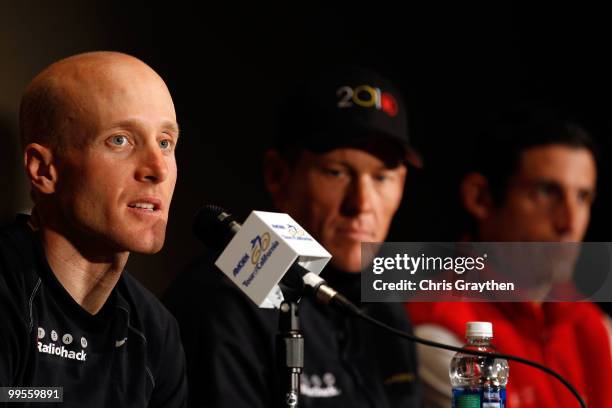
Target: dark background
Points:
(227, 65)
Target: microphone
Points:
(216, 228)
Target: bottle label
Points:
(479, 398)
(494, 398)
(466, 398)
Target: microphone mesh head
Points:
(211, 226)
(211, 210)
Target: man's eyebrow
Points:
(130, 123)
(559, 185)
(171, 126)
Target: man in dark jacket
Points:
(98, 132)
(338, 168)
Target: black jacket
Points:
(127, 355)
(230, 344)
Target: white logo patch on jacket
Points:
(316, 386)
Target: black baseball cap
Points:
(347, 106)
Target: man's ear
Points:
(40, 168)
(476, 195)
(276, 173)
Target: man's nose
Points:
(569, 218)
(359, 196)
(152, 166)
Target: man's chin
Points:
(146, 241)
(141, 243)
(148, 248)
(346, 265)
(346, 257)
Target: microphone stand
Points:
(289, 353)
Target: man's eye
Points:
(542, 189)
(548, 192)
(585, 197)
(165, 144)
(381, 177)
(546, 189)
(333, 172)
(119, 140)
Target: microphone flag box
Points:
(264, 249)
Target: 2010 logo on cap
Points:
(367, 96)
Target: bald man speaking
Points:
(98, 132)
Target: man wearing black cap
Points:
(338, 168)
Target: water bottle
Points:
(478, 382)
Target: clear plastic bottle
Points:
(478, 382)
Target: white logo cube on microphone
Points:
(262, 251)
